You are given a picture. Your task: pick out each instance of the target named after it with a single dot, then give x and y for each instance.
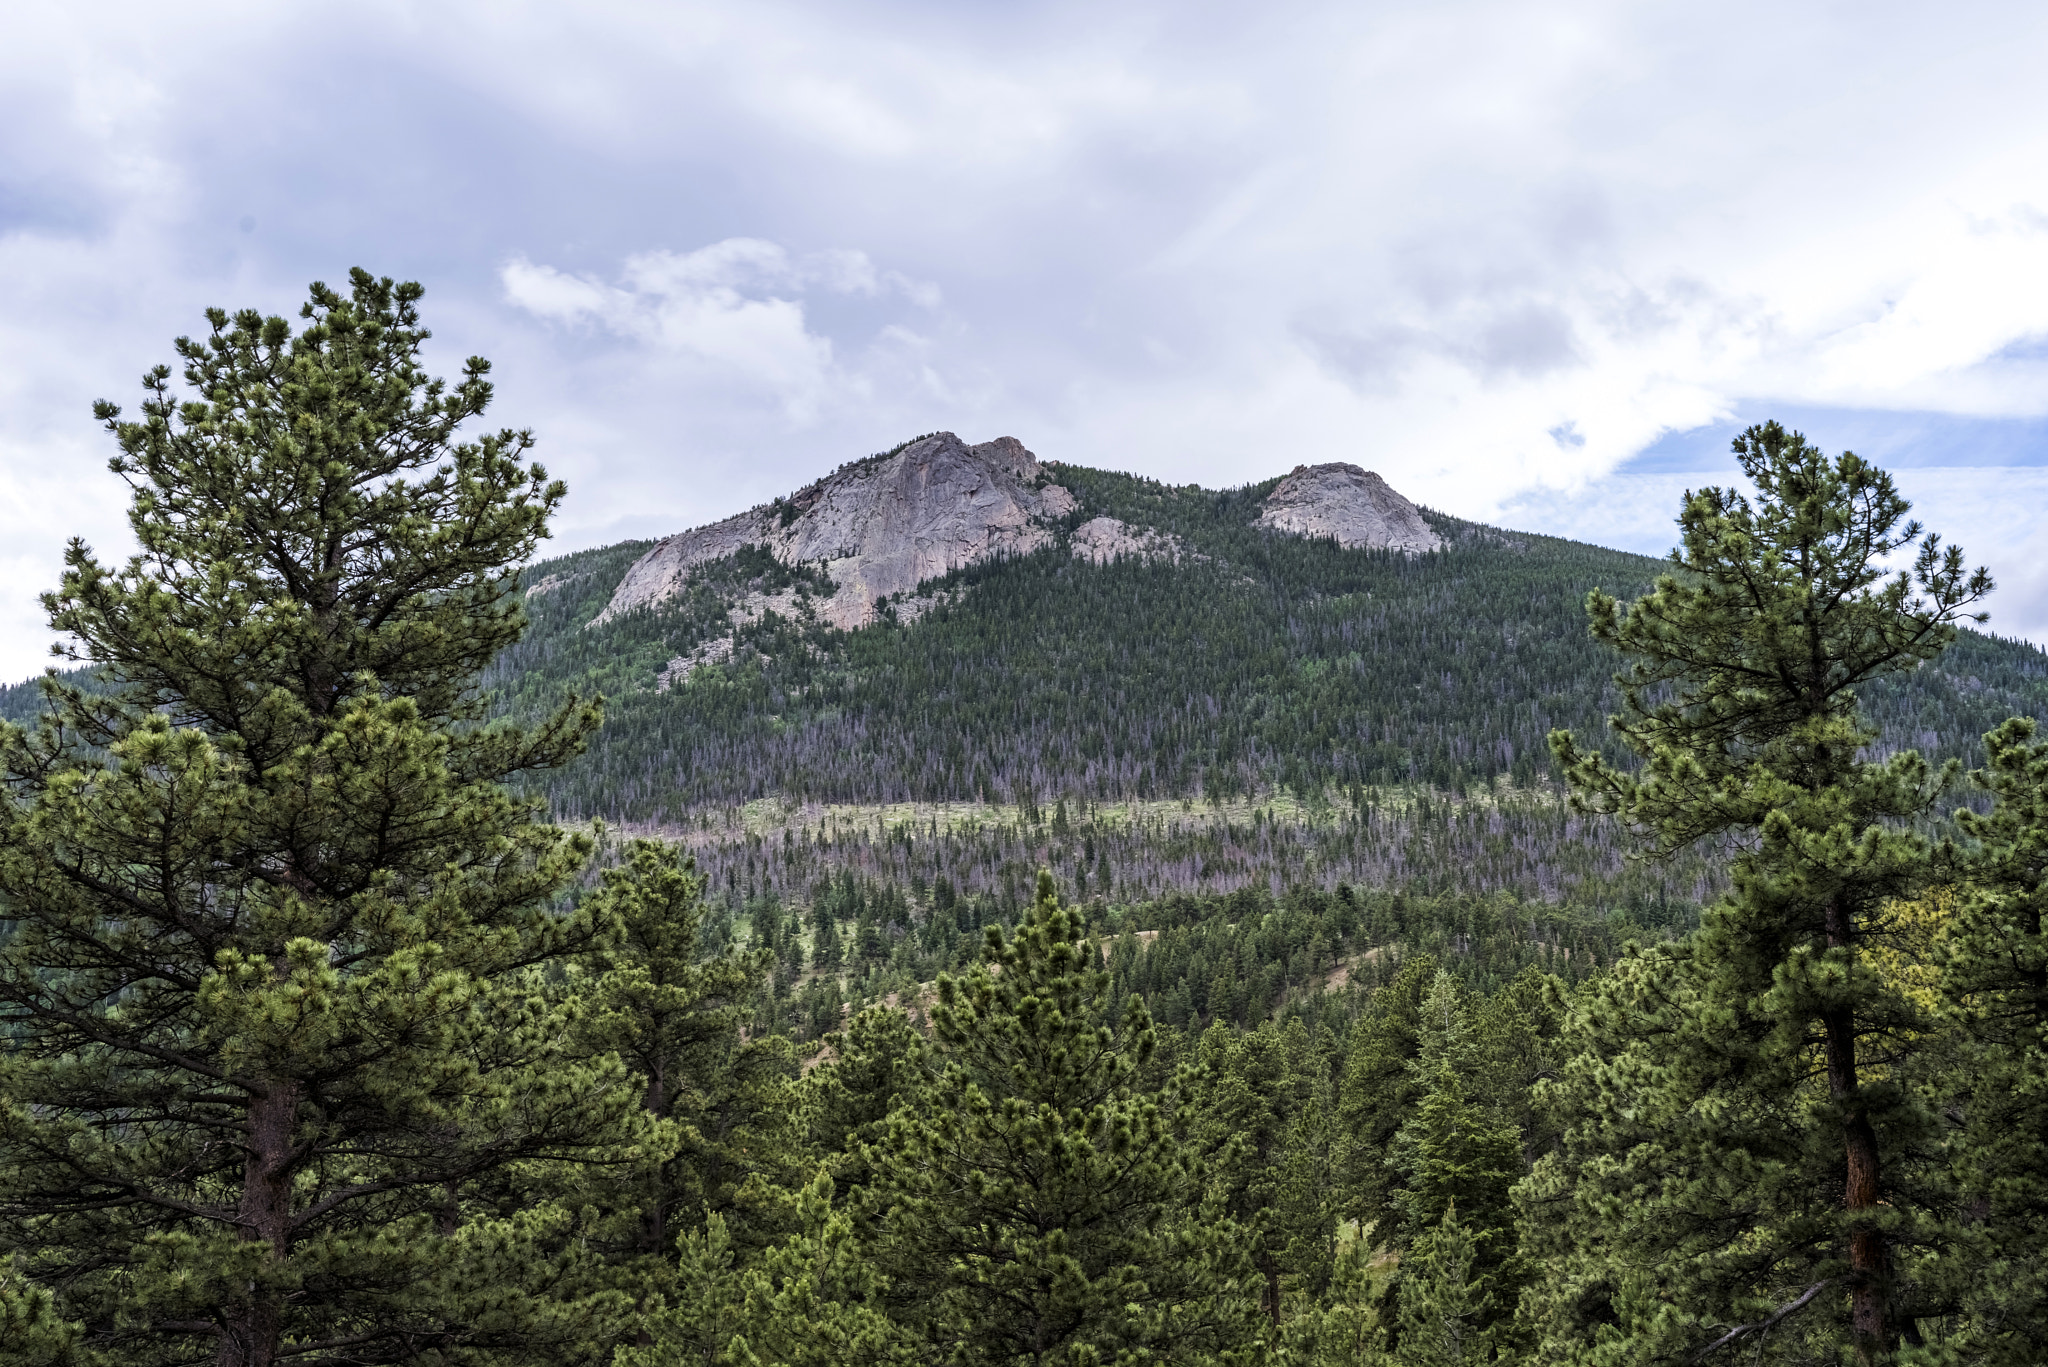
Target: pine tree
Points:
(1345, 1324)
(1995, 985)
(814, 1299)
(1514, 1038)
(1038, 1208)
(1445, 1301)
(878, 1061)
(267, 997)
(35, 1335)
(1753, 1202)
(1261, 1101)
(1451, 1152)
(649, 995)
(1379, 1088)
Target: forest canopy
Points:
(328, 1041)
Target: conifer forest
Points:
(1519, 952)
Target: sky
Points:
(1533, 263)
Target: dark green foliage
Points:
(1037, 1207)
(34, 1333)
(880, 1060)
(271, 1020)
(1381, 1088)
(1745, 1123)
(1995, 980)
(1447, 1305)
(1451, 1151)
(814, 1299)
(1263, 1103)
(650, 996)
(1309, 954)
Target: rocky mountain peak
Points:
(1355, 506)
(877, 527)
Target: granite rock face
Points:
(1356, 506)
(1100, 540)
(878, 527)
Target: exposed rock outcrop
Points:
(1355, 506)
(1103, 539)
(878, 527)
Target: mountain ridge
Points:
(876, 529)
(1181, 652)
(1215, 656)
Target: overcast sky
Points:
(1534, 263)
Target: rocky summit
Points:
(1355, 506)
(878, 527)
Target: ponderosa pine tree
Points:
(1248, 1089)
(1380, 1089)
(1995, 988)
(649, 995)
(1039, 1210)
(878, 1060)
(813, 1299)
(34, 1333)
(1745, 1145)
(267, 1007)
(1446, 1305)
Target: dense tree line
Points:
(321, 1047)
(1194, 960)
(1527, 845)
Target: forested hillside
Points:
(1178, 961)
(1259, 661)
(1284, 710)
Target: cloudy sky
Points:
(1534, 263)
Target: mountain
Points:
(959, 663)
(871, 533)
(1211, 687)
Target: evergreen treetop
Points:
(1792, 1151)
(1038, 1208)
(268, 1015)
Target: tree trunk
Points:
(1867, 1254)
(254, 1330)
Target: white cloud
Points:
(1492, 249)
(720, 310)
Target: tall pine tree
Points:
(1790, 1165)
(266, 1011)
(1039, 1208)
(650, 995)
(1452, 1153)
(1995, 986)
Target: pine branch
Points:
(1762, 1326)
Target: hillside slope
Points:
(1211, 704)
(1244, 661)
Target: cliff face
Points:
(1355, 506)
(878, 527)
(1102, 539)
